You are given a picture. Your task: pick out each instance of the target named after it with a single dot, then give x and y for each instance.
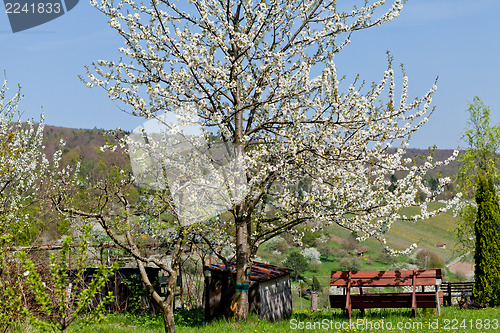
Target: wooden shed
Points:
(269, 293)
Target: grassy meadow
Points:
(452, 319)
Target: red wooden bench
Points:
(361, 279)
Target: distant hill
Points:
(439, 155)
(86, 143)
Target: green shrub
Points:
(282, 246)
(340, 253)
(296, 261)
(385, 258)
(190, 318)
(315, 266)
(277, 243)
(350, 263)
(429, 259)
(60, 298)
(135, 290)
(325, 250)
(315, 286)
(350, 243)
(309, 238)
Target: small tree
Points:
(487, 255)
(22, 163)
(296, 261)
(325, 250)
(129, 220)
(386, 258)
(311, 254)
(64, 297)
(483, 140)
(350, 262)
(429, 259)
(315, 286)
(278, 243)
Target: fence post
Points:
(314, 301)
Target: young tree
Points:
(487, 256)
(483, 141)
(24, 169)
(261, 76)
(326, 250)
(22, 163)
(296, 261)
(480, 157)
(131, 217)
(62, 298)
(315, 286)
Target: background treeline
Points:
(84, 145)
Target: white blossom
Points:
(314, 150)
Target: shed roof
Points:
(259, 272)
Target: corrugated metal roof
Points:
(260, 271)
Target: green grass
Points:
(427, 233)
(452, 319)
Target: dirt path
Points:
(456, 260)
(464, 268)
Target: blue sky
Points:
(456, 40)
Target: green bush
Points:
(340, 253)
(282, 246)
(487, 256)
(350, 243)
(309, 238)
(385, 258)
(296, 261)
(190, 318)
(315, 286)
(325, 250)
(350, 263)
(315, 266)
(135, 290)
(60, 298)
(277, 243)
(429, 259)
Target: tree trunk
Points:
(167, 304)
(242, 219)
(240, 300)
